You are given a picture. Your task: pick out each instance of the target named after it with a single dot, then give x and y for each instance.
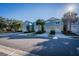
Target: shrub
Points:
(52, 32)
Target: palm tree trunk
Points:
(70, 27)
(40, 27)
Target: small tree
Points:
(40, 23)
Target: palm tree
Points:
(2, 23)
(40, 23)
(68, 19)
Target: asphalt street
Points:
(61, 46)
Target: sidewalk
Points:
(60, 35)
(13, 52)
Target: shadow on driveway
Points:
(57, 47)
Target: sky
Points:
(33, 11)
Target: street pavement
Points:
(62, 45)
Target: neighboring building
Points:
(50, 24)
(53, 24)
(75, 27)
(27, 26)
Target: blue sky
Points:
(32, 12)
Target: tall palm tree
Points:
(68, 19)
